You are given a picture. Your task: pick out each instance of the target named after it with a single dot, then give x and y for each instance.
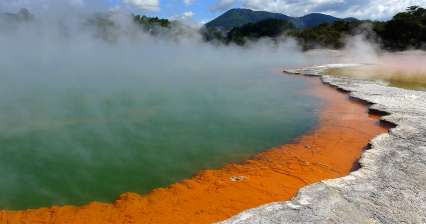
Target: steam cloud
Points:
(406, 69)
(59, 73)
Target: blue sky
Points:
(176, 8)
(204, 10)
(198, 10)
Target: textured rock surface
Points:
(391, 185)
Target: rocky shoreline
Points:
(390, 186)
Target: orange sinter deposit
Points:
(329, 151)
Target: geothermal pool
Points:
(76, 137)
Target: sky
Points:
(202, 11)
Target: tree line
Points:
(406, 30)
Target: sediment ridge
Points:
(331, 150)
(390, 186)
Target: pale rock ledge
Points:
(390, 187)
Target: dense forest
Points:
(106, 27)
(271, 28)
(406, 30)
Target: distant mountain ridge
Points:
(239, 17)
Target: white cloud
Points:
(188, 2)
(222, 5)
(377, 9)
(54, 6)
(151, 5)
(186, 18)
(363, 9)
(188, 14)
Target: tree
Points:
(405, 30)
(327, 35)
(269, 28)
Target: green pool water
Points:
(72, 132)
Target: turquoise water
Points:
(70, 137)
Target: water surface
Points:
(70, 137)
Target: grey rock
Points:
(390, 187)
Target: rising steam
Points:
(61, 71)
(88, 113)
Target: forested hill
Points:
(406, 30)
(240, 17)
